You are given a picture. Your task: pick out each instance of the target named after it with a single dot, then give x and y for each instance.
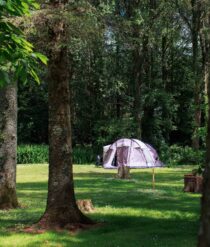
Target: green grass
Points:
(134, 215)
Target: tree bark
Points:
(137, 65)
(141, 60)
(196, 19)
(139, 56)
(204, 231)
(8, 147)
(61, 209)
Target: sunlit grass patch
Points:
(132, 212)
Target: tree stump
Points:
(85, 205)
(123, 172)
(193, 183)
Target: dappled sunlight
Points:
(45, 239)
(130, 210)
(144, 212)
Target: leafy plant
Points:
(17, 55)
(30, 154)
(178, 155)
(36, 154)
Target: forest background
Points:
(137, 71)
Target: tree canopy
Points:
(17, 57)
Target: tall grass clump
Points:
(33, 154)
(83, 155)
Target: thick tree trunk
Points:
(204, 232)
(61, 209)
(196, 13)
(8, 147)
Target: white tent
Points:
(130, 152)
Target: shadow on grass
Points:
(134, 214)
(136, 193)
(124, 231)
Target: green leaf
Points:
(41, 57)
(34, 76)
(4, 78)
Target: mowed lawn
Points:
(132, 213)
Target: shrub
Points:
(83, 155)
(30, 154)
(177, 155)
(33, 154)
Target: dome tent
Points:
(131, 153)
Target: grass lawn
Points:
(134, 214)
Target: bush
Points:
(30, 154)
(33, 154)
(177, 155)
(83, 155)
(171, 156)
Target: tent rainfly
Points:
(131, 153)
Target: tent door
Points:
(122, 156)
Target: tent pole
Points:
(153, 178)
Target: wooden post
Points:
(153, 178)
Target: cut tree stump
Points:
(123, 172)
(85, 205)
(193, 183)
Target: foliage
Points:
(109, 131)
(130, 211)
(170, 156)
(33, 154)
(16, 53)
(101, 47)
(83, 155)
(29, 154)
(33, 113)
(178, 155)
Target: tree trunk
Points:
(196, 13)
(204, 232)
(139, 56)
(141, 60)
(61, 209)
(118, 105)
(137, 65)
(8, 147)
(138, 101)
(124, 172)
(164, 62)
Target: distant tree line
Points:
(137, 70)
